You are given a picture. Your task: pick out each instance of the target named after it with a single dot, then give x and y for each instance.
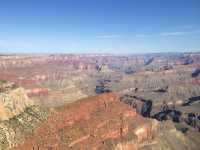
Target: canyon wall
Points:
(99, 122)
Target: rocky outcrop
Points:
(16, 129)
(99, 122)
(18, 115)
(13, 102)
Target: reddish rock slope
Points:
(100, 122)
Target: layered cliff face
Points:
(57, 72)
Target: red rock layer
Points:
(99, 122)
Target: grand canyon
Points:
(100, 101)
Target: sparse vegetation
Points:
(15, 130)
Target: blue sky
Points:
(93, 26)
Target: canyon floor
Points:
(93, 101)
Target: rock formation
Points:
(99, 122)
(103, 122)
(18, 115)
(13, 102)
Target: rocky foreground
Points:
(103, 122)
(19, 116)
